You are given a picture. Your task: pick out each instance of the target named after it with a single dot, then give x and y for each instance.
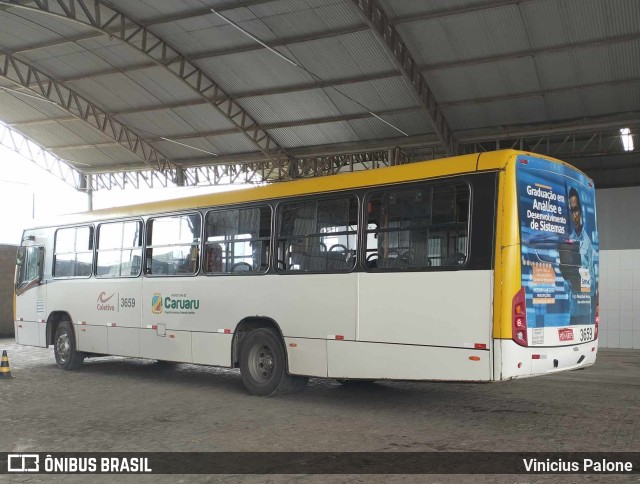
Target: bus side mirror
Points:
(40, 264)
(29, 268)
(21, 256)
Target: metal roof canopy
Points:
(131, 93)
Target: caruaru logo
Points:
(174, 304)
(103, 299)
(156, 303)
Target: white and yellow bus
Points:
(480, 267)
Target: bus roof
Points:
(487, 161)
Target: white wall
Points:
(620, 298)
(619, 230)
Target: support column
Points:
(85, 186)
(180, 176)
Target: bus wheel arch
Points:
(244, 327)
(54, 320)
(260, 352)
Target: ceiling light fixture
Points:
(627, 139)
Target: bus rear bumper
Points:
(514, 361)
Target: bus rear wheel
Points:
(64, 348)
(263, 365)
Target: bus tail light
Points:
(597, 321)
(519, 319)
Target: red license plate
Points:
(565, 334)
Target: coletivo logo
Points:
(102, 297)
(156, 303)
(103, 302)
(23, 463)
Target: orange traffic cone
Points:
(5, 369)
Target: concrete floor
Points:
(122, 404)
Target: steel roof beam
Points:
(83, 146)
(330, 119)
(163, 19)
(448, 12)
(541, 92)
(310, 86)
(530, 53)
(24, 74)
(466, 137)
(257, 172)
(395, 46)
(42, 157)
(428, 68)
(158, 20)
(209, 54)
(264, 92)
(327, 160)
(461, 102)
(104, 18)
(288, 124)
(41, 122)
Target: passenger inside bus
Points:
(213, 258)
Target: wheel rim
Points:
(261, 363)
(63, 346)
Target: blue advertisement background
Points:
(559, 266)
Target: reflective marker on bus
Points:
(469, 268)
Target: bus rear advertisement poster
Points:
(559, 247)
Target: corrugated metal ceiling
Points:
(491, 64)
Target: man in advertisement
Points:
(582, 287)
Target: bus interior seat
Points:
(338, 260)
(457, 259)
(306, 256)
(158, 267)
(136, 263)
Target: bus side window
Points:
(119, 249)
(173, 245)
(420, 227)
(318, 235)
(73, 253)
(237, 240)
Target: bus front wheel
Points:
(263, 365)
(64, 348)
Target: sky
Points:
(28, 192)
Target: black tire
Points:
(263, 365)
(64, 348)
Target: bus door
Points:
(117, 289)
(30, 295)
